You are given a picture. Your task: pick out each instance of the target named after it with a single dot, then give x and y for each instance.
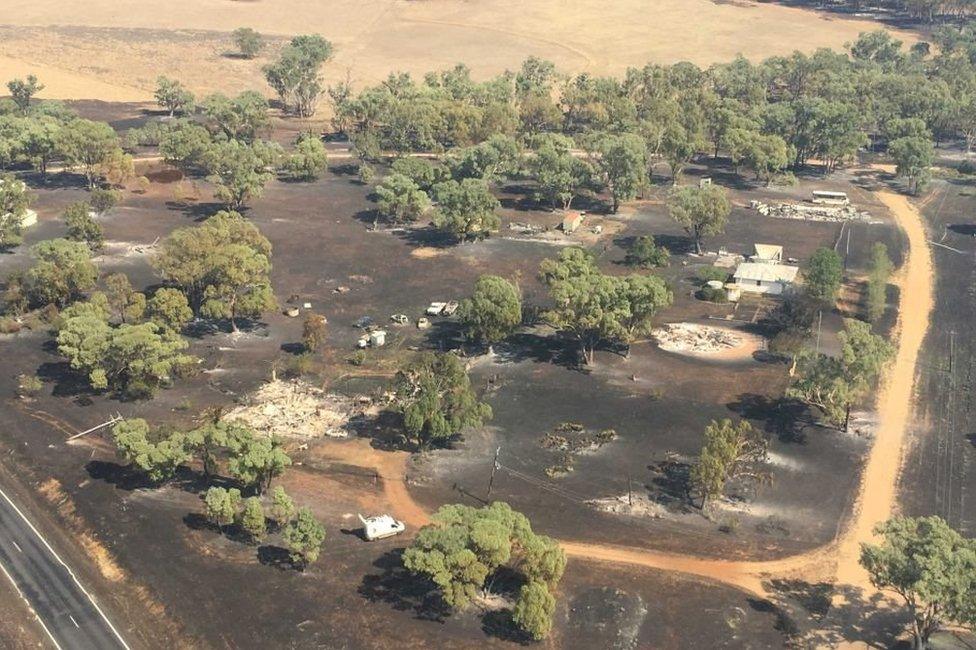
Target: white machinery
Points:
(381, 526)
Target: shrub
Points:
(712, 273)
(712, 294)
(966, 167)
(28, 385)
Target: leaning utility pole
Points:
(494, 467)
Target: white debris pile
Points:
(691, 337)
(295, 409)
(634, 505)
(810, 212)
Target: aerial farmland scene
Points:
(625, 324)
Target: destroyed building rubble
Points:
(691, 337)
(810, 212)
(296, 409)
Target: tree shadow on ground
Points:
(402, 590)
(783, 417)
(539, 348)
(199, 210)
(427, 236)
(501, 625)
(293, 348)
(55, 181)
(67, 382)
(124, 477)
(277, 557)
(825, 615)
(671, 485)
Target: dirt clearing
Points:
(121, 44)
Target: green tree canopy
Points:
(172, 96)
(90, 146)
(22, 90)
(559, 174)
(645, 254)
(239, 171)
(466, 209)
(304, 536)
(61, 273)
(822, 275)
(622, 163)
(913, 157)
(249, 42)
(493, 311)
(399, 199)
(930, 566)
(435, 398)
(701, 211)
(595, 307)
(295, 77)
(309, 159)
(132, 359)
(169, 309)
(222, 266)
(834, 384)
(463, 547)
(729, 450)
(15, 199)
(158, 459)
(82, 227)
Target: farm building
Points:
(766, 278)
(572, 221)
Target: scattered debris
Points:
(423, 323)
(295, 409)
(291, 312)
(634, 505)
(691, 337)
(450, 308)
(364, 322)
(572, 439)
(810, 212)
(399, 319)
(341, 289)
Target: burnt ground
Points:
(321, 241)
(940, 468)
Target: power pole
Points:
(819, 324)
(494, 467)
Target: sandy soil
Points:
(114, 49)
(877, 498)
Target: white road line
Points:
(74, 621)
(17, 546)
(68, 569)
(29, 607)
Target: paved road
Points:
(68, 614)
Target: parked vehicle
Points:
(381, 526)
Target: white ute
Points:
(381, 526)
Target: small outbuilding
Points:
(767, 254)
(765, 278)
(572, 220)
